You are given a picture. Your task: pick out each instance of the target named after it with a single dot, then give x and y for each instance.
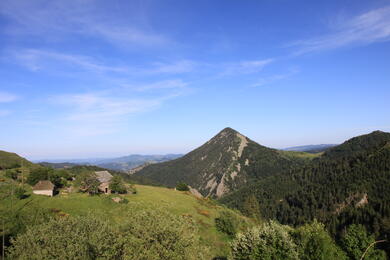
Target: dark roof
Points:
(44, 185)
(103, 176)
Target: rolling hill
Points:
(124, 163)
(225, 163)
(12, 160)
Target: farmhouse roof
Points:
(103, 176)
(44, 185)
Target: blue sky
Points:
(90, 78)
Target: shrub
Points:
(38, 174)
(268, 241)
(68, 238)
(227, 223)
(144, 234)
(181, 186)
(117, 185)
(12, 174)
(356, 240)
(314, 243)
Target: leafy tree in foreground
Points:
(146, 234)
(68, 238)
(268, 242)
(356, 241)
(38, 174)
(88, 183)
(154, 235)
(117, 185)
(227, 223)
(314, 243)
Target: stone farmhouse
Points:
(104, 178)
(44, 188)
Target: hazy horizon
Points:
(82, 79)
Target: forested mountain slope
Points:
(225, 163)
(350, 183)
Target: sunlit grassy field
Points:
(202, 211)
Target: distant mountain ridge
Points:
(313, 148)
(124, 163)
(225, 163)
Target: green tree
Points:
(117, 185)
(267, 242)
(68, 238)
(227, 223)
(154, 235)
(87, 182)
(355, 242)
(144, 234)
(91, 184)
(38, 174)
(55, 178)
(314, 243)
(251, 207)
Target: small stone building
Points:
(44, 188)
(104, 178)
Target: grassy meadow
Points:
(202, 211)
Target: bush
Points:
(152, 234)
(356, 240)
(268, 241)
(117, 185)
(12, 174)
(227, 223)
(146, 234)
(181, 186)
(314, 243)
(68, 238)
(38, 174)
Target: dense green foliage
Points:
(269, 241)
(274, 241)
(145, 234)
(355, 242)
(314, 243)
(227, 223)
(117, 185)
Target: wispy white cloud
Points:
(245, 67)
(97, 113)
(271, 79)
(7, 97)
(59, 19)
(37, 59)
(366, 28)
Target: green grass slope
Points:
(202, 211)
(12, 160)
